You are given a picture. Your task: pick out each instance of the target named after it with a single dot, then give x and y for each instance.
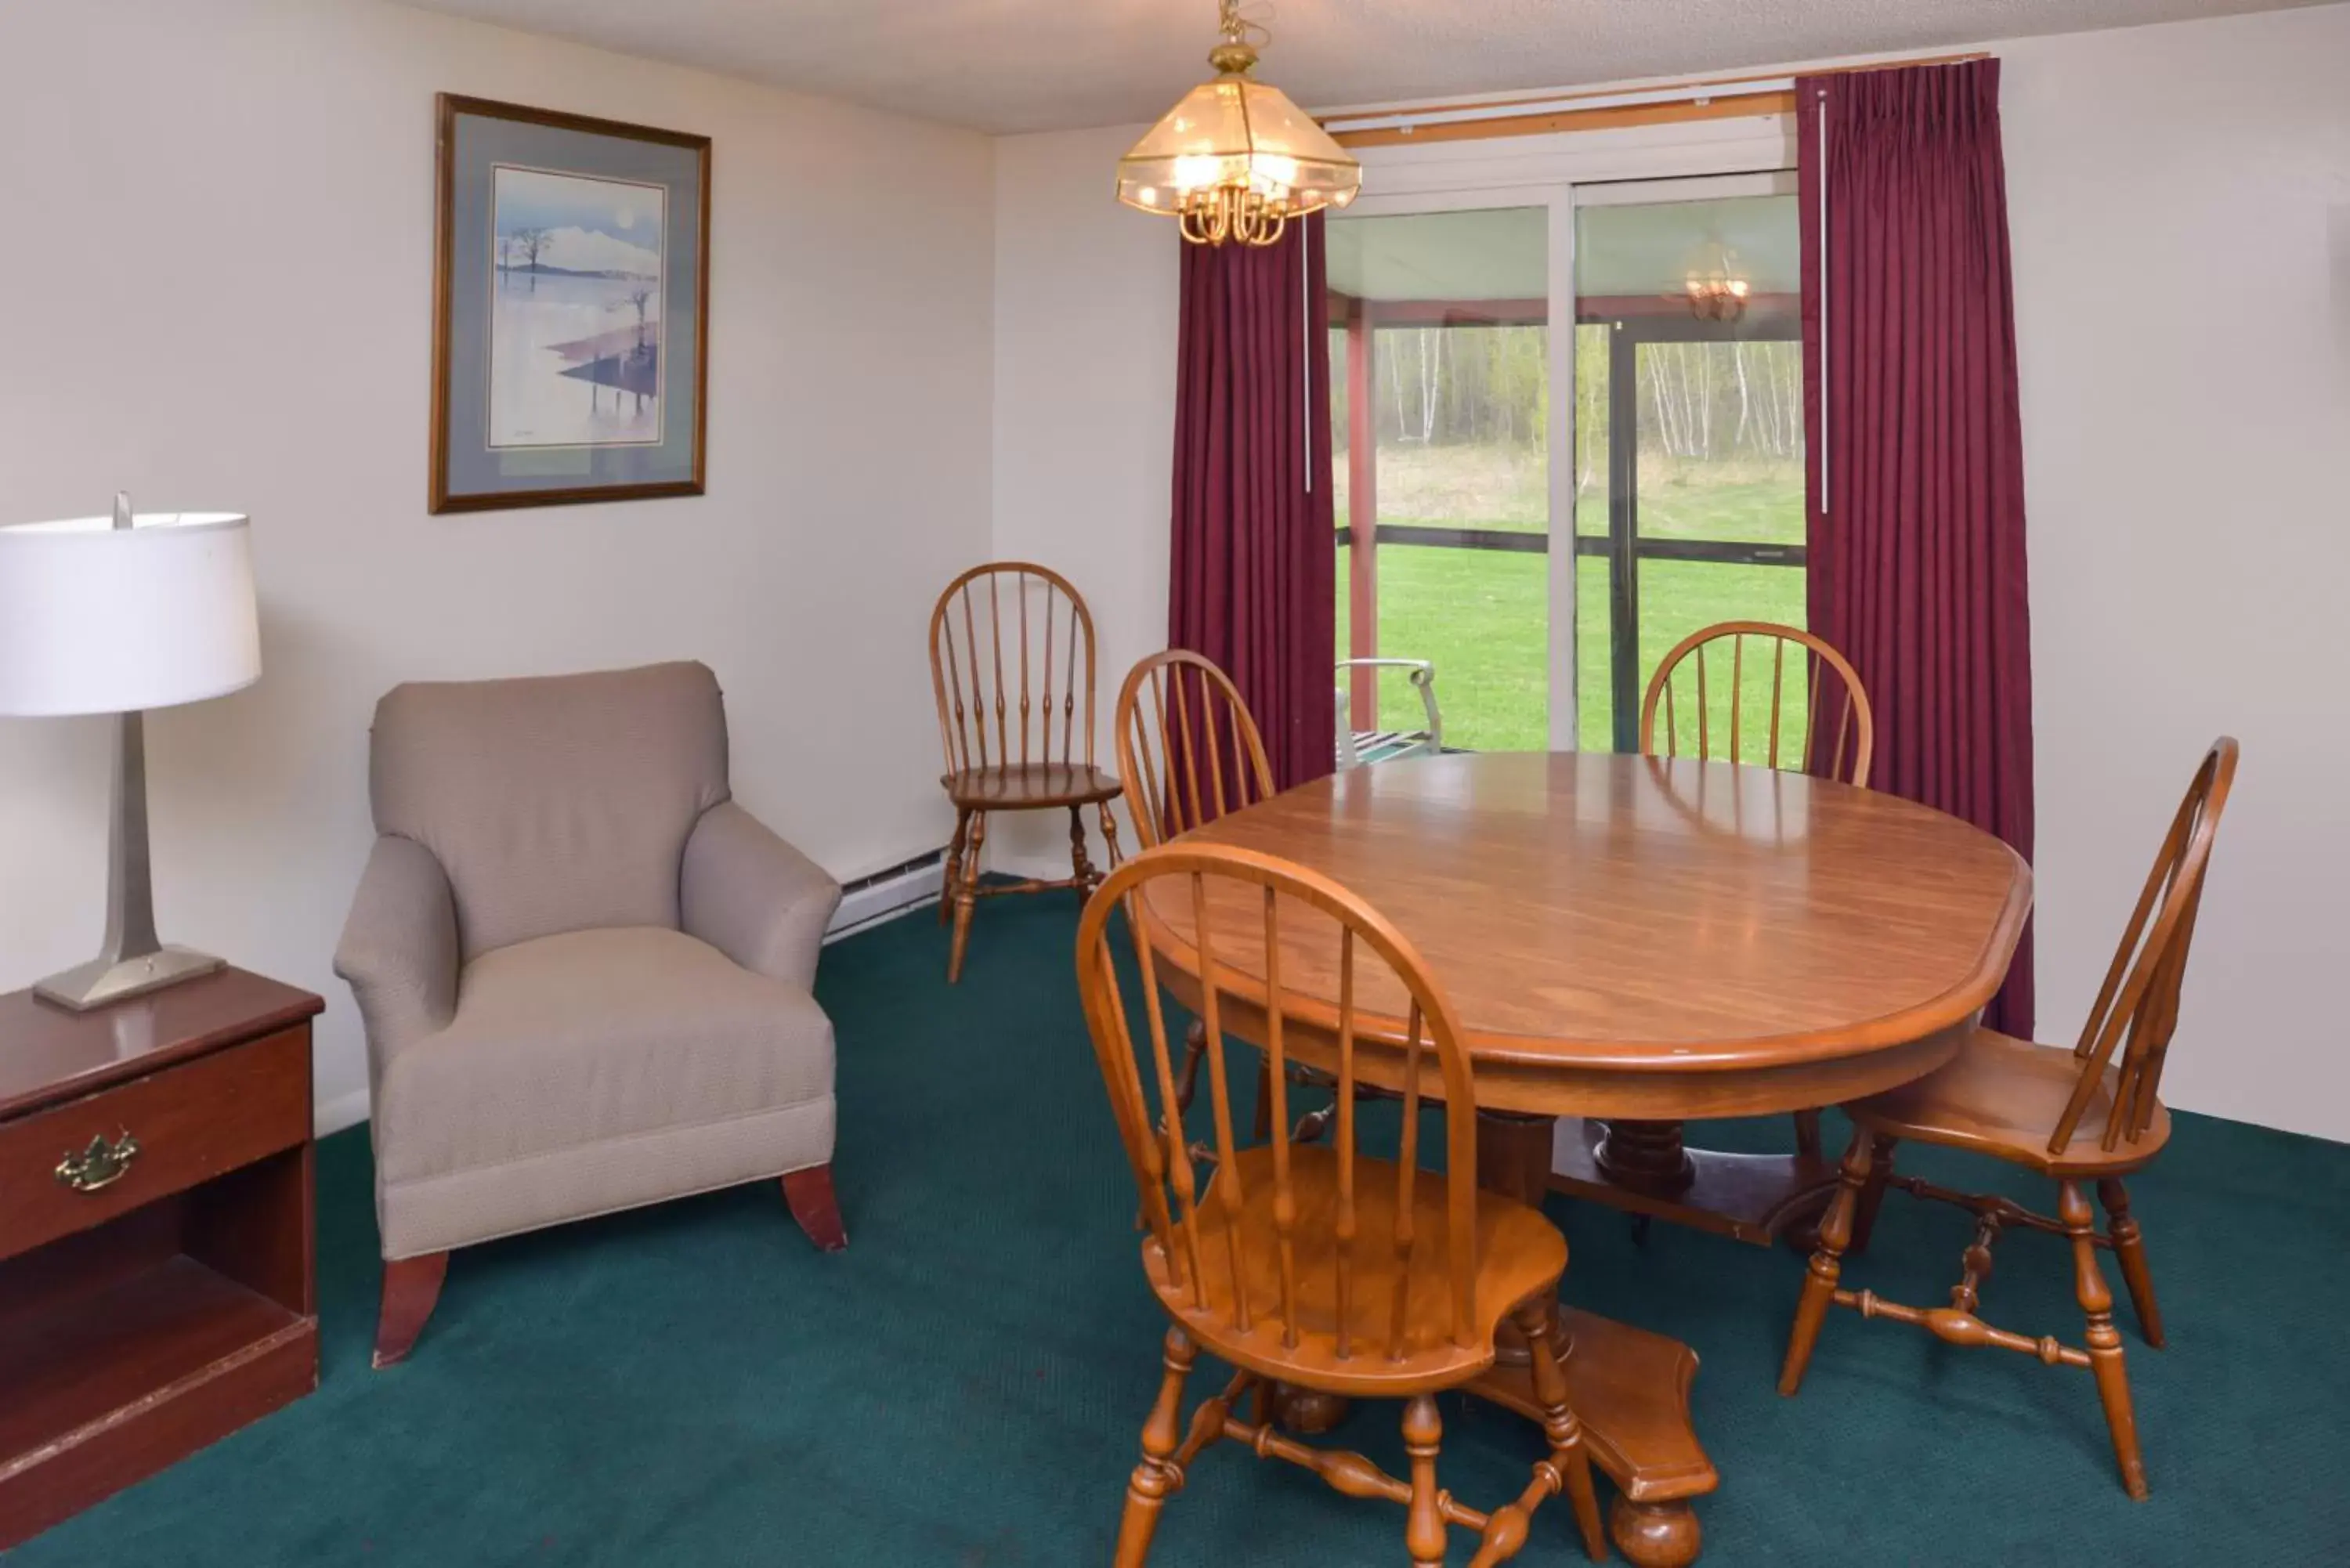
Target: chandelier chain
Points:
(1240, 29)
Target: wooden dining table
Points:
(1631, 943)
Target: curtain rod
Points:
(1698, 92)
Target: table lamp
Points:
(116, 616)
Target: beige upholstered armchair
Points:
(584, 970)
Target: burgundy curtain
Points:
(1916, 482)
(1252, 583)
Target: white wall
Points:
(2180, 207)
(1085, 411)
(2180, 202)
(216, 268)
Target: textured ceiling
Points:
(1042, 65)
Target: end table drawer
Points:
(79, 1164)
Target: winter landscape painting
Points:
(570, 309)
(575, 310)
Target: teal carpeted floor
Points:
(694, 1386)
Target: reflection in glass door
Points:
(1690, 460)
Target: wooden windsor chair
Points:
(1318, 1266)
(1681, 695)
(2076, 1116)
(1189, 752)
(1011, 665)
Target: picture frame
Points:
(570, 308)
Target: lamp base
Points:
(103, 980)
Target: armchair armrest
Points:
(755, 898)
(398, 948)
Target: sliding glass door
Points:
(1440, 358)
(1543, 593)
(1689, 426)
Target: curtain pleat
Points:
(1253, 579)
(1915, 469)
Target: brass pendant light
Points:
(1235, 160)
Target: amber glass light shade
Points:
(1235, 160)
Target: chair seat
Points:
(597, 1038)
(1019, 785)
(2003, 1096)
(1519, 1252)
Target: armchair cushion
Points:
(555, 802)
(398, 948)
(592, 1071)
(755, 898)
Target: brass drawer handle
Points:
(102, 1164)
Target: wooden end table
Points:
(156, 1269)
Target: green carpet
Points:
(695, 1385)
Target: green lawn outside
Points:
(1482, 615)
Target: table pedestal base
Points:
(1642, 1168)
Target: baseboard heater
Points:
(888, 894)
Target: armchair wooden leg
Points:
(1157, 1478)
(2104, 1340)
(410, 1287)
(952, 879)
(2129, 1246)
(816, 1207)
(1827, 1263)
(966, 893)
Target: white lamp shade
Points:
(100, 619)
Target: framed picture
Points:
(570, 309)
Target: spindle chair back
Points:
(1188, 747)
(1011, 665)
(2136, 1008)
(1684, 692)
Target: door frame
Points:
(1623, 547)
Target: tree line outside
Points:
(1460, 414)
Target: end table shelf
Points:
(156, 1271)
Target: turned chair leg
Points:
(1195, 1051)
(966, 893)
(1872, 1196)
(410, 1287)
(1569, 1464)
(816, 1207)
(953, 873)
(1081, 865)
(1157, 1478)
(1827, 1263)
(1424, 1527)
(1109, 835)
(2104, 1341)
(2129, 1246)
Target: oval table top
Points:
(1632, 936)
